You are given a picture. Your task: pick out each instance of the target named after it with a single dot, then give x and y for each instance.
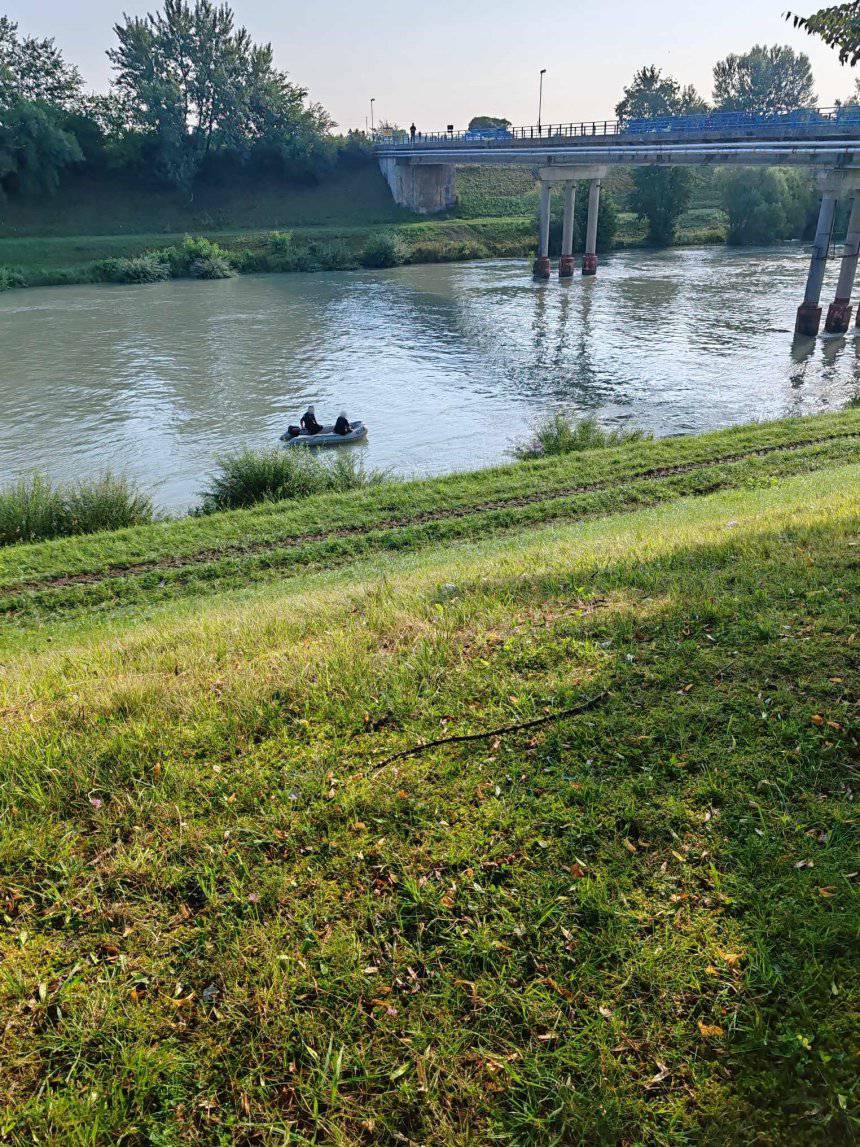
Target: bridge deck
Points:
(821, 138)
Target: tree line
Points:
(762, 205)
(191, 93)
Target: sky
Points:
(443, 63)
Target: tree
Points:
(34, 149)
(34, 71)
(392, 130)
(766, 80)
(660, 194)
(838, 27)
(853, 100)
(199, 84)
(37, 92)
(765, 205)
(488, 123)
(653, 94)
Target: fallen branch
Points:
(460, 738)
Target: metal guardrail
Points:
(799, 123)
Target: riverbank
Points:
(57, 261)
(70, 579)
(65, 239)
(628, 914)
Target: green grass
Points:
(225, 922)
(130, 571)
(65, 239)
(248, 477)
(560, 434)
(80, 259)
(35, 508)
(112, 208)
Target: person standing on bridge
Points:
(412, 132)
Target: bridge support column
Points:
(839, 312)
(565, 263)
(589, 259)
(809, 311)
(543, 267)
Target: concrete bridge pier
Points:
(566, 263)
(809, 312)
(589, 258)
(839, 313)
(542, 266)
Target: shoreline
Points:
(49, 261)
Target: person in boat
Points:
(342, 425)
(309, 422)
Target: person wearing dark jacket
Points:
(342, 426)
(309, 422)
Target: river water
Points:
(446, 364)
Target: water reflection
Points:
(445, 363)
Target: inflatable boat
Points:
(326, 436)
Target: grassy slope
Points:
(58, 239)
(356, 197)
(224, 921)
(130, 570)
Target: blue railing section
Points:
(747, 124)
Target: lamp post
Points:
(372, 125)
(540, 96)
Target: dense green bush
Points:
(332, 255)
(149, 268)
(385, 250)
(281, 242)
(198, 258)
(211, 267)
(34, 508)
(10, 277)
(247, 477)
(560, 434)
(447, 251)
(766, 204)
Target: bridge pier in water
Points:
(809, 312)
(542, 265)
(568, 176)
(589, 259)
(839, 312)
(834, 185)
(566, 263)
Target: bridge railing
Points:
(800, 121)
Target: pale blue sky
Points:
(445, 62)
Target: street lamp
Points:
(540, 96)
(372, 125)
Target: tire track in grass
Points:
(419, 518)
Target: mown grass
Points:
(225, 922)
(131, 570)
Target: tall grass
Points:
(560, 434)
(246, 477)
(34, 508)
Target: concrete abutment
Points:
(422, 188)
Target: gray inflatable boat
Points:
(326, 436)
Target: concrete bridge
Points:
(420, 170)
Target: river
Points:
(446, 364)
